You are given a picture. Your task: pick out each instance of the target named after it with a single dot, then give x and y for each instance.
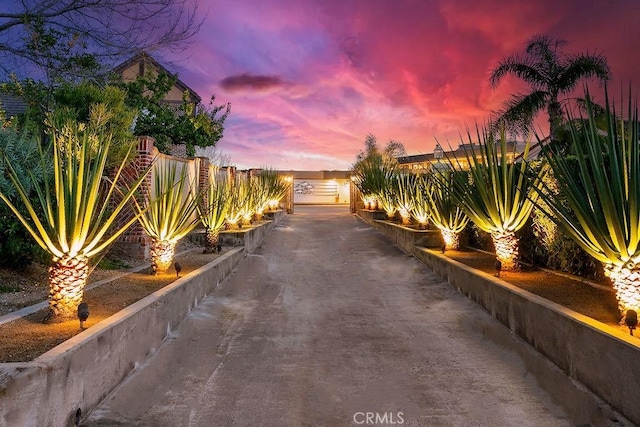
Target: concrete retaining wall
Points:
(600, 357)
(249, 237)
(404, 237)
(80, 372)
(603, 359)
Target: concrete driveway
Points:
(328, 324)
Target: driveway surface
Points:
(329, 324)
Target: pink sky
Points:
(308, 80)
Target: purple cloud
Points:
(251, 82)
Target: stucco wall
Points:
(80, 372)
(602, 358)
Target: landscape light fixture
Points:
(631, 320)
(498, 266)
(83, 314)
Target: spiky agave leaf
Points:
(78, 218)
(372, 175)
(404, 189)
(501, 194)
(273, 186)
(421, 200)
(214, 207)
(171, 213)
(603, 197)
(446, 213)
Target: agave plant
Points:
(370, 177)
(445, 212)
(239, 201)
(405, 190)
(501, 194)
(422, 200)
(171, 212)
(387, 199)
(213, 211)
(603, 198)
(270, 188)
(79, 212)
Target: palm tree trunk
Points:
(451, 239)
(162, 252)
(555, 120)
(67, 278)
(626, 282)
(506, 246)
(211, 241)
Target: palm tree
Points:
(602, 192)
(79, 212)
(500, 194)
(171, 213)
(213, 211)
(445, 213)
(550, 73)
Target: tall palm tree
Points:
(550, 73)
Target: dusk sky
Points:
(308, 80)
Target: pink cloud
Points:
(315, 77)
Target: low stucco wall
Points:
(405, 238)
(370, 216)
(80, 372)
(600, 357)
(249, 237)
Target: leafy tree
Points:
(189, 124)
(73, 101)
(69, 39)
(550, 73)
(17, 248)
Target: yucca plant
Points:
(213, 211)
(501, 194)
(275, 188)
(79, 212)
(421, 200)
(387, 199)
(370, 177)
(446, 213)
(405, 189)
(602, 194)
(239, 201)
(171, 212)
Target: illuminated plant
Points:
(251, 195)
(405, 189)
(79, 211)
(500, 196)
(213, 211)
(387, 199)
(171, 213)
(445, 212)
(603, 197)
(239, 199)
(370, 176)
(421, 200)
(272, 188)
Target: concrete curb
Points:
(607, 366)
(80, 372)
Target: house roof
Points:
(12, 105)
(145, 58)
(460, 152)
